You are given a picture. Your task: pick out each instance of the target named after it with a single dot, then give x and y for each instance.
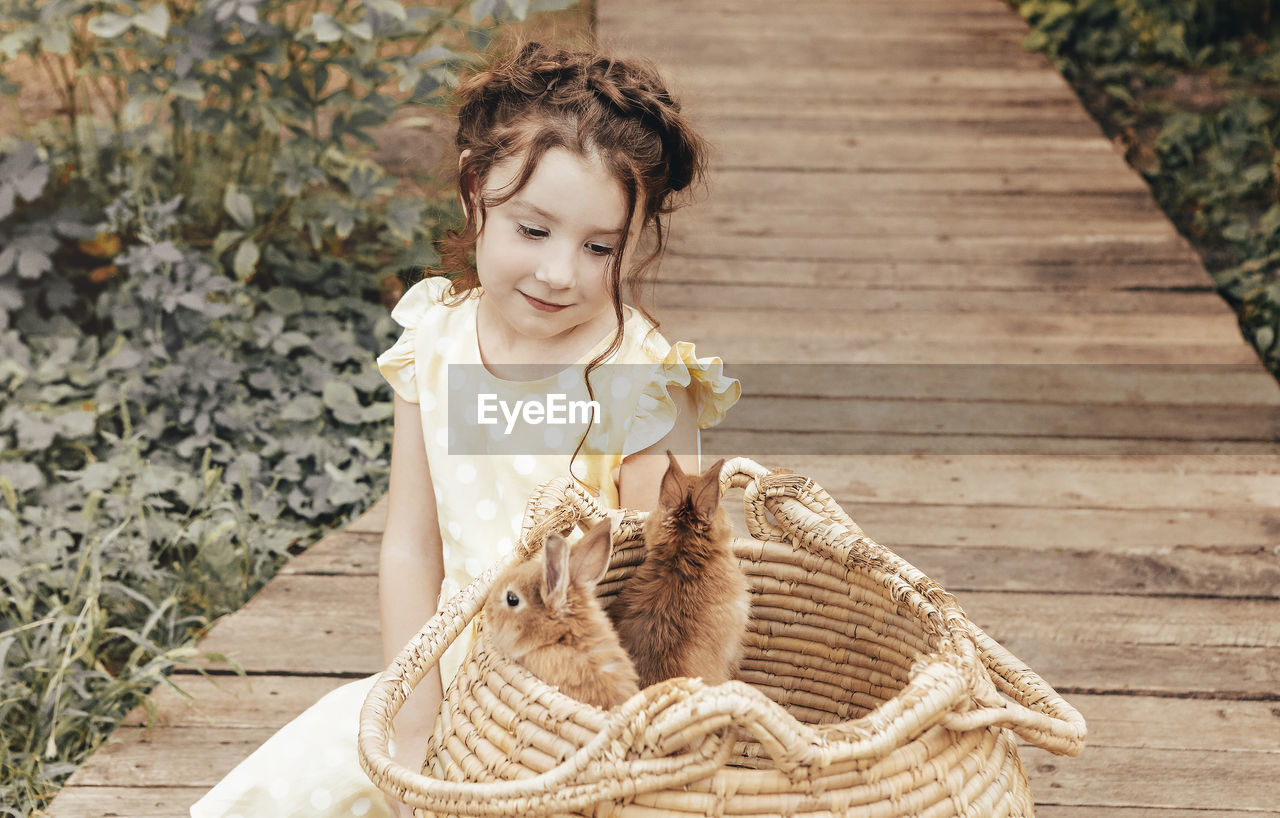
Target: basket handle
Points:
(1033, 710)
(582, 779)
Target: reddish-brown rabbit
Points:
(544, 614)
(684, 611)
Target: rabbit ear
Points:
(671, 493)
(706, 492)
(591, 555)
(555, 573)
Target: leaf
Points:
(154, 20)
(33, 263)
(1264, 336)
(1270, 221)
(246, 260)
(361, 30)
(1257, 174)
(340, 394)
(404, 217)
(21, 476)
(377, 411)
(238, 205)
(1236, 231)
(225, 239)
(56, 40)
(110, 25)
(390, 8)
(303, 407)
(23, 172)
(33, 432)
(75, 424)
(325, 28)
(519, 8)
(187, 89)
(551, 5)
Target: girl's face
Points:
(543, 255)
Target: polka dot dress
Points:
(482, 474)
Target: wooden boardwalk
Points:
(897, 182)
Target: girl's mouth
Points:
(540, 305)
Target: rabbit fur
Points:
(684, 611)
(543, 613)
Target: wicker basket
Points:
(865, 691)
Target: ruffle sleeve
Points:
(655, 412)
(397, 364)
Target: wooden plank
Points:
(910, 191)
(935, 265)
(1145, 778)
(973, 222)
(125, 802)
(251, 702)
(838, 328)
(320, 625)
(673, 296)
(349, 552)
(1247, 624)
(1048, 528)
(1210, 726)
(1167, 482)
(1183, 571)
(726, 441)
(1034, 115)
(1094, 643)
(1049, 810)
(1086, 385)
(1114, 424)
(169, 757)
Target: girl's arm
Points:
(410, 569)
(641, 473)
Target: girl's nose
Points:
(556, 270)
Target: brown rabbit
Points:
(544, 614)
(684, 611)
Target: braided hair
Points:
(620, 111)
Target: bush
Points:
(1191, 88)
(191, 272)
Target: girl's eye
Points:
(531, 232)
(512, 599)
(599, 249)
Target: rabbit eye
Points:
(512, 599)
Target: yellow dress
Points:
(487, 452)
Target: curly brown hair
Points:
(536, 98)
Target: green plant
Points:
(255, 112)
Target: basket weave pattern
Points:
(864, 691)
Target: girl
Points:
(568, 163)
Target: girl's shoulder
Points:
(427, 300)
(430, 322)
